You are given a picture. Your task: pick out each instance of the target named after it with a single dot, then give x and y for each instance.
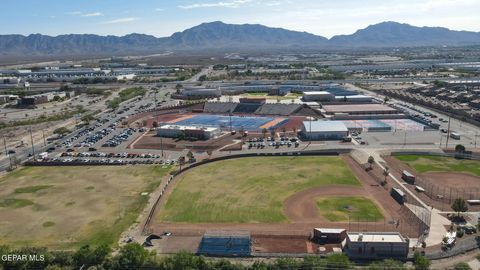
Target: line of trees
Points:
(134, 256)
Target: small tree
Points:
(190, 155)
(61, 131)
(87, 118)
(459, 148)
(462, 266)
(155, 124)
(181, 161)
(264, 132)
(420, 262)
(370, 161)
(459, 205)
(209, 153)
(386, 173)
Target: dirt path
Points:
(301, 207)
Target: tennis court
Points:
(384, 125)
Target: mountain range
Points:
(221, 36)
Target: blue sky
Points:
(164, 17)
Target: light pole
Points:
(6, 152)
(33, 147)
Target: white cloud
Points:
(159, 9)
(121, 20)
(221, 4)
(93, 14)
(74, 13)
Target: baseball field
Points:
(425, 164)
(67, 207)
(250, 190)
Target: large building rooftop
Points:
(358, 108)
(325, 126)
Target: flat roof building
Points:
(357, 109)
(202, 133)
(376, 245)
(318, 96)
(324, 130)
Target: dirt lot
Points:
(292, 237)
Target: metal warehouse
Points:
(324, 130)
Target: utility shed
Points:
(328, 235)
(376, 245)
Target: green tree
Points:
(264, 132)
(462, 266)
(370, 161)
(87, 118)
(61, 131)
(132, 256)
(387, 264)
(338, 261)
(459, 148)
(155, 124)
(87, 256)
(386, 173)
(420, 262)
(459, 205)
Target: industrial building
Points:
(318, 96)
(200, 93)
(354, 99)
(201, 133)
(324, 130)
(358, 109)
(40, 98)
(376, 245)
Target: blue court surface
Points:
(221, 121)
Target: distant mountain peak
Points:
(224, 36)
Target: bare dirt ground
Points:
(301, 207)
(293, 237)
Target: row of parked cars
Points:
(119, 138)
(94, 138)
(69, 141)
(270, 141)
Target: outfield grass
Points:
(67, 207)
(249, 190)
(338, 209)
(424, 163)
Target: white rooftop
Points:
(325, 126)
(181, 127)
(330, 230)
(313, 93)
(388, 237)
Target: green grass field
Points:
(249, 189)
(423, 163)
(66, 207)
(338, 209)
